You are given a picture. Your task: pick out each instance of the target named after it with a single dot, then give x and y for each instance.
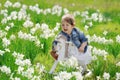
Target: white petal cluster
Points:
(71, 62)
(118, 38)
(2, 33)
(77, 75)
(5, 69)
(57, 10)
(117, 76)
(63, 76)
(5, 42)
(46, 31)
(28, 24)
(2, 52)
(106, 76)
(98, 39)
(17, 5)
(99, 52)
(35, 8)
(118, 64)
(8, 4)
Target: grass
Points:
(109, 8)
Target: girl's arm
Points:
(82, 47)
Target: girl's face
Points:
(66, 27)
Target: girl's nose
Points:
(65, 27)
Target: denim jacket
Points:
(76, 37)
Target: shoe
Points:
(84, 72)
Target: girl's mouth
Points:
(65, 29)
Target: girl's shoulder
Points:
(78, 30)
(60, 36)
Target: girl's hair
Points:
(68, 18)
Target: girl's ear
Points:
(73, 25)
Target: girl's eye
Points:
(62, 24)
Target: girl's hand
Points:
(81, 49)
(54, 55)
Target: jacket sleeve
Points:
(54, 43)
(82, 37)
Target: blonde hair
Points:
(68, 18)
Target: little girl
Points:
(77, 39)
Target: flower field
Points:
(27, 29)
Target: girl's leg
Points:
(53, 67)
(84, 67)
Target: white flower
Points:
(84, 14)
(42, 46)
(37, 26)
(46, 11)
(100, 17)
(44, 26)
(24, 7)
(57, 27)
(94, 16)
(65, 10)
(20, 69)
(90, 24)
(71, 62)
(98, 78)
(0, 4)
(106, 76)
(19, 62)
(64, 75)
(13, 15)
(118, 64)
(76, 13)
(14, 54)
(37, 42)
(40, 67)
(86, 27)
(11, 24)
(4, 12)
(94, 57)
(2, 33)
(27, 62)
(105, 33)
(117, 76)
(36, 78)
(57, 78)
(4, 21)
(57, 10)
(17, 5)
(77, 75)
(28, 24)
(8, 4)
(2, 52)
(22, 14)
(7, 28)
(12, 37)
(20, 56)
(7, 50)
(9, 18)
(5, 69)
(16, 78)
(6, 42)
(28, 73)
(32, 31)
(118, 38)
